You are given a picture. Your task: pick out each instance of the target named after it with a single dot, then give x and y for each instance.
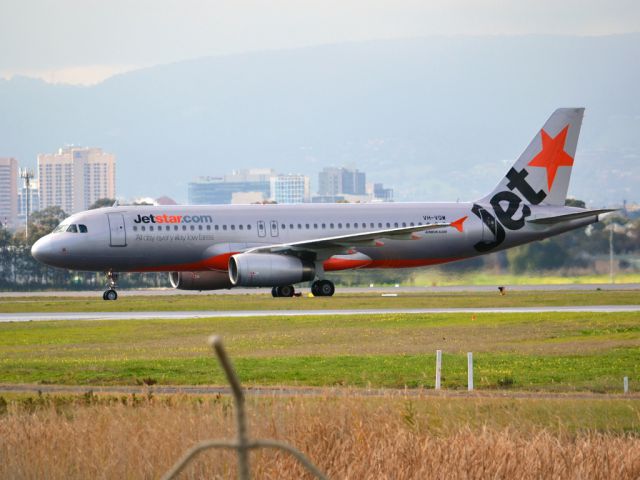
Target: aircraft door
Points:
(273, 226)
(262, 231)
(488, 226)
(118, 234)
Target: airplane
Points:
(209, 247)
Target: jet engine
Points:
(210, 280)
(268, 270)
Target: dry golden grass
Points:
(352, 438)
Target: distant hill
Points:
(436, 118)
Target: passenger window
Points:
(300, 226)
(348, 225)
(291, 226)
(199, 227)
(248, 227)
(388, 225)
(142, 228)
(380, 224)
(224, 227)
(82, 228)
(233, 227)
(306, 226)
(412, 224)
(355, 225)
(151, 228)
(283, 226)
(135, 228)
(324, 225)
(192, 227)
(339, 225)
(331, 225)
(175, 227)
(241, 227)
(72, 229)
(216, 227)
(315, 225)
(208, 227)
(184, 227)
(404, 224)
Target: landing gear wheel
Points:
(274, 292)
(110, 295)
(285, 291)
(323, 288)
(112, 281)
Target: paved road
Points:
(176, 315)
(305, 391)
(374, 289)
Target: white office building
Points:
(75, 177)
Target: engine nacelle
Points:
(268, 270)
(211, 280)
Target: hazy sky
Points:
(83, 41)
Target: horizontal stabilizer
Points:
(569, 216)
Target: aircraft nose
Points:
(42, 250)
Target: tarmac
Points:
(186, 314)
(339, 290)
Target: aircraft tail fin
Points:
(541, 174)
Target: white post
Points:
(626, 384)
(470, 371)
(438, 368)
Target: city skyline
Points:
(91, 171)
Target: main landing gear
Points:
(323, 288)
(110, 293)
(319, 288)
(283, 291)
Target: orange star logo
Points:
(552, 156)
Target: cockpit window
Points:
(61, 228)
(82, 228)
(72, 229)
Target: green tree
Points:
(544, 255)
(102, 202)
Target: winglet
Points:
(458, 224)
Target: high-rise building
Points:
(291, 188)
(75, 177)
(8, 191)
(221, 190)
(334, 182)
(30, 198)
(382, 194)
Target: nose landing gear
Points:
(110, 293)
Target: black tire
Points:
(286, 291)
(326, 288)
(104, 295)
(111, 295)
(315, 288)
(274, 292)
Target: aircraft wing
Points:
(342, 242)
(569, 216)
